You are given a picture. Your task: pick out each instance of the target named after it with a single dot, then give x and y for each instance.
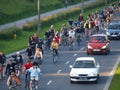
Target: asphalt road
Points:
(56, 76)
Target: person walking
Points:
(66, 3)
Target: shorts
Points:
(35, 78)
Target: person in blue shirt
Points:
(34, 74)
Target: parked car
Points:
(84, 69)
(98, 43)
(113, 30)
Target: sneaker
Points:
(36, 87)
(9, 88)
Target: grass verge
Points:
(116, 80)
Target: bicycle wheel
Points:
(54, 58)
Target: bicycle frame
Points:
(54, 56)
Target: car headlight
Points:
(107, 33)
(89, 47)
(104, 47)
(73, 74)
(92, 74)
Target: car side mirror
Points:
(98, 66)
(70, 66)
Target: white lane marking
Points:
(59, 71)
(49, 82)
(82, 48)
(112, 74)
(67, 62)
(74, 55)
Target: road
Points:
(56, 76)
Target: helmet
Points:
(35, 63)
(39, 39)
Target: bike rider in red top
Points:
(27, 66)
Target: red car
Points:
(98, 43)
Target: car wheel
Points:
(106, 52)
(109, 51)
(88, 53)
(96, 81)
(71, 81)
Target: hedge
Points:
(8, 34)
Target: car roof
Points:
(115, 22)
(85, 58)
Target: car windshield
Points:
(113, 27)
(97, 39)
(84, 64)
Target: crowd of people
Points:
(71, 33)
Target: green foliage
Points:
(9, 33)
(116, 80)
(12, 10)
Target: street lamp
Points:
(39, 24)
(106, 1)
(82, 11)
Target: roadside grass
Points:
(12, 10)
(116, 80)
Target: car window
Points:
(113, 27)
(84, 64)
(98, 39)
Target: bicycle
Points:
(13, 86)
(27, 81)
(54, 56)
(78, 39)
(71, 43)
(34, 84)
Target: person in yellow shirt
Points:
(55, 46)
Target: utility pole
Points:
(39, 23)
(82, 11)
(106, 1)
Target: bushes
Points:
(9, 33)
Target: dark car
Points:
(113, 30)
(98, 43)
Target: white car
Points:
(84, 69)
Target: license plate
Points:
(96, 50)
(114, 35)
(83, 78)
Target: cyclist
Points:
(29, 52)
(64, 36)
(34, 75)
(2, 64)
(13, 80)
(39, 56)
(10, 67)
(87, 27)
(55, 46)
(40, 44)
(27, 66)
(18, 60)
(71, 36)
